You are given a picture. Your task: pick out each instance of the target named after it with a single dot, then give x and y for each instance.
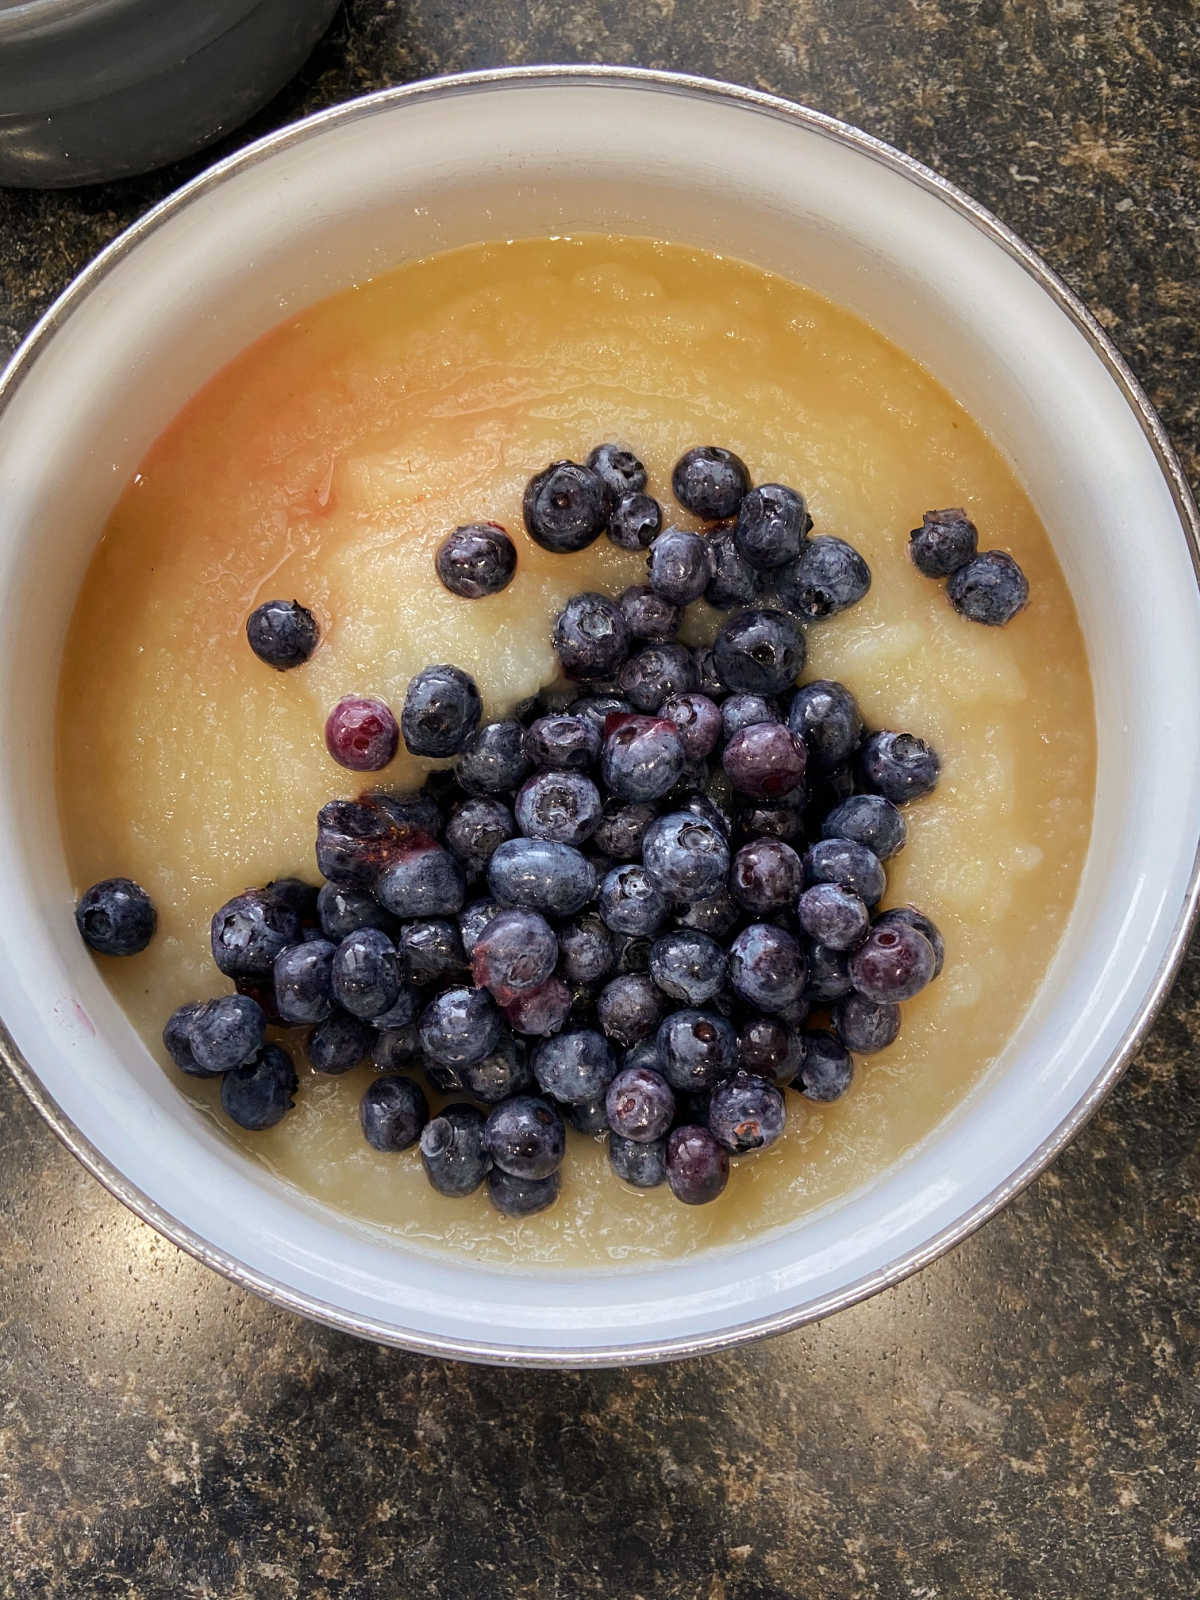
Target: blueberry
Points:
(899, 766)
(540, 1011)
(304, 981)
(525, 1136)
(597, 708)
(696, 1048)
(688, 966)
(828, 974)
(766, 875)
(772, 525)
(299, 897)
(355, 840)
(502, 1073)
(698, 720)
(716, 914)
(474, 920)
(826, 716)
(771, 1049)
(827, 1068)
(620, 469)
(442, 711)
(912, 918)
(225, 1033)
(634, 522)
(541, 875)
(895, 963)
(339, 1043)
(706, 667)
(990, 589)
(642, 1165)
(868, 819)
(452, 1151)
(632, 953)
(563, 743)
(745, 711)
(422, 879)
(116, 917)
(865, 1026)
(361, 733)
(476, 560)
(746, 1113)
(765, 760)
(622, 828)
(259, 1094)
(395, 1049)
(833, 915)
(759, 652)
(459, 1026)
(566, 507)
(342, 910)
(366, 973)
(493, 761)
(393, 1112)
(642, 758)
(680, 566)
(591, 637)
(432, 950)
(516, 951)
(656, 673)
(710, 482)
(585, 949)
(686, 856)
(639, 1104)
(249, 931)
(702, 805)
(697, 1166)
(417, 808)
(734, 581)
(845, 862)
(767, 966)
(521, 1197)
(589, 1116)
(945, 541)
(783, 820)
(642, 1054)
(650, 616)
(177, 1040)
(441, 1078)
(629, 901)
(475, 828)
(283, 633)
(828, 576)
(560, 806)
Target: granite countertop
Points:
(1019, 1420)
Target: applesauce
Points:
(328, 462)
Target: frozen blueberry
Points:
(710, 482)
(767, 966)
(476, 560)
(868, 819)
(698, 720)
(516, 951)
(826, 716)
(630, 1008)
(746, 1113)
(356, 839)
(259, 1094)
(679, 565)
(912, 918)
(452, 1151)
(563, 743)
(417, 808)
(716, 914)
(945, 541)
(494, 760)
(639, 1104)
(990, 589)
(574, 1067)
(366, 973)
(696, 1048)
(833, 915)
(541, 875)
(629, 901)
(734, 581)
(116, 917)
(765, 760)
(642, 1165)
(759, 652)
(591, 637)
(342, 910)
(650, 616)
(697, 1166)
(827, 1068)
(634, 522)
(474, 920)
(475, 828)
(848, 863)
(442, 711)
(597, 708)
(686, 856)
(339, 1043)
(642, 757)
(226, 1032)
(361, 733)
(656, 673)
(688, 966)
(865, 1026)
(899, 766)
(620, 469)
(784, 819)
(283, 633)
(560, 806)
(525, 1136)
(828, 974)
(459, 1026)
(393, 1112)
(304, 981)
(502, 1073)
(432, 950)
(177, 1040)
(895, 963)
(249, 931)
(585, 949)
(771, 1049)
(566, 507)
(766, 875)
(421, 880)
(622, 828)
(827, 576)
(396, 1049)
(521, 1197)
(772, 525)
(540, 1011)
(740, 711)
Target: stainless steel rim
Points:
(842, 133)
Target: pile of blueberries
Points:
(644, 905)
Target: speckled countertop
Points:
(1021, 1419)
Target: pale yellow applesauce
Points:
(326, 464)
